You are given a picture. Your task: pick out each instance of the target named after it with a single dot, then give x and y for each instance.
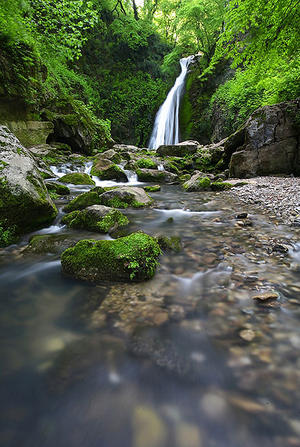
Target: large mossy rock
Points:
(199, 182)
(24, 200)
(31, 133)
(58, 188)
(111, 155)
(77, 178)
(268, 143)
(126, 196)
(153, 175)
(99, 218)
(178, 150)
(86, 199)
(130, 258)
(106, 170)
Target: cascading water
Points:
(166, 125)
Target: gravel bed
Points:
(277, 196)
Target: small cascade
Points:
(166, 125)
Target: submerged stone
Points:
(130, 258)
(77, 178)
(97, 218)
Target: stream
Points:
(188, 359)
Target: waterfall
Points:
(166, 125)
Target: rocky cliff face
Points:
(268, 143)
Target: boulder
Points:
(77, 178)
(131, 258)
(50, 243)
(97, 218)
(147, 163)
(106, 170)
(153, 188)
(178, 150)
(199, 182)
(125, 148)
(111, 155)
(268, 143)
(153, 175)
(58, 188)
(30, 133)
(86, 199)
(126, 196)
(24, 200)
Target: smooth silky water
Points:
(70, 379)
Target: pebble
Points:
(247, 334)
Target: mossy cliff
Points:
(130, 258)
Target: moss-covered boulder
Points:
(77, 178)
(99, 218)
(153, 175)
(58, 188)
(111, 155)
(50, 243)
(198, 182)
(130, 258)
(25, 204)
(153, 188)
(106, 170)
(126, 196)
(178, 150)
(220, 186)
(86, 199)
(146, 163)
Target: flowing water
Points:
(166, 125)
(162, 363)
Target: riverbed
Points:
(188, 359)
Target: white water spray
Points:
(166, 125)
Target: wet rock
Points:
(126, 196)
(266, 296)
(241, 216)
(106, 170)
(247, 334)
(130, 258)
(172, 243)
(153, 188)
(279, 248)
(111, 155)
(198, 182)
(176, 312)
(178, 150)
(152, 175)
(58, 188)
(50, 243)
(86, 199)
(149, 429)
(125, 148)
(97, 218)
(25, 203)
(77, 178)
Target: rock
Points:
(146, 163)
(30, 133)
(106, 170)
(111, 155)
(198, 182)
(131, 258)
(24, 200)
(266, 296)
(152, 175)
(220, 186)
(178, 150)
(49, 243)
(77, 178)
(247, 334)
(279, 248)
(62, 190)
(126, 196)
(241, 216)
(153, 188)
(184, 178)
(88, 198)
(172, 243)
(149, 429)
(97, 218)
(267, 143)
(125, 148)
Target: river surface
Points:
(187, 359)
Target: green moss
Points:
(204, 183)
(53, 195)
(220, 186)
(115, 202)
(3, 164)
(184, 178)
(172, 243)
(86, 199)
(8, 234)
(89, 221)
(146, 163)
(77, 178)
(111, 172)
(57, 188)
(148, 176)
(154, 188)
(130, 258)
